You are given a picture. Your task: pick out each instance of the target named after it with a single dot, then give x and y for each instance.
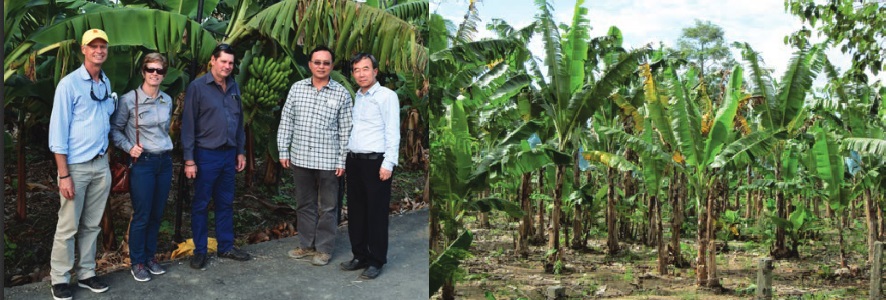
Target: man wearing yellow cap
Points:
(78, 136)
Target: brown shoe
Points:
(299, 253)
(321, 259)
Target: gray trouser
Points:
(316, 193)
(80, 217)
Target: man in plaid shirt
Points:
(312, 139)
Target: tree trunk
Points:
(270, 177)
(448, 290)
(577, 225)
(701, 261)
(21, 199)
(109, 240)
(882, 222)
(651, 236)
(842, 247)
(540, 228)
(737, 206)
(747, 194)
(554, 237)
(659, 236)
(525, 231)
(250, 156)
(677, 191)
(718, 189)
(433, 220)
(870, 207)
(611, 214)
(780, 251)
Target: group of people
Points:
(322, 133)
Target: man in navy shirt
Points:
(213, 142)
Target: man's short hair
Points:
(222, 48)
(321, 48)
(360, 56)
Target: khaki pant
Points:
(80, 217)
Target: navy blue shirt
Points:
(212, 118)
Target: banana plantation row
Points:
(642, 139)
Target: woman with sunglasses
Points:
(140, 126)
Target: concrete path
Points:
(273, 275)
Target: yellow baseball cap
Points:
(92, 34)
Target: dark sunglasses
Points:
(324, 63)
(160, 71)
(92, 92)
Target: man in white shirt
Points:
(373, 151)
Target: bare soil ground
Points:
(261, 214)
(591, 274)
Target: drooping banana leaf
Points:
(447, 263)
(183, 7)
(344, 26)
(870, 146)
(411, 11)
(166, 36)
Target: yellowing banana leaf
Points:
(186, 248)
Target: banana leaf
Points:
(447, 263)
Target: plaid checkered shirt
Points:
(315, 125)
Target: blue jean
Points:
(150, 181)
(215, 179)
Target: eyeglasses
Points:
(323, 63)
(160, 71)
(92, 93)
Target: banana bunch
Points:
(268, 79)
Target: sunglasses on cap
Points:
(160, 71)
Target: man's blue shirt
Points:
(212, 118)
(79, 125)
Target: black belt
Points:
(219, 148)
(366, 155)
(161, 153)
(97, 157)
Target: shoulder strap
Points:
(136, 116)
(136, 121)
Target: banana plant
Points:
(569, 97)
(467, 75)
(782, 111)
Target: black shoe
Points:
(354, 264)
(198, 261)
(93, 284)
(370, 273)
(236, 254)
(62, 291)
